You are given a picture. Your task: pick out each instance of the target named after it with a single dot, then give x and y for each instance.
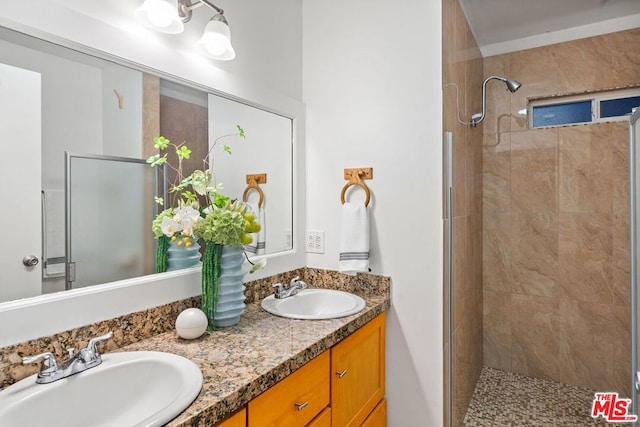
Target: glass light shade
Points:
(160, 15)
(216, 40)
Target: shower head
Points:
(512, 85)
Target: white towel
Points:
(53, 233)
(354, 239)
(257, 247)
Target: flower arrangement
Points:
(195, 199)
(199, 210)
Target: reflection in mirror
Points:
(108, 237)
(59, 100)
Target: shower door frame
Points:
(633, 250)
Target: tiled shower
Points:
(553, 218)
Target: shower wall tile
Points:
(586, 168)
(586, 343)
(534, 157)
(535, 344)
(576, 56)
(496, 251)
(556, 225)
(621, 355)
(496, 327)
(496, 181)
(585, 256)
(620, 192)
(625, 64)
(534, 254)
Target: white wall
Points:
(122, 127)
(371, 83)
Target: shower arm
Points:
(478, 117)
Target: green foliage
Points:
(222, 226)
(161, 143)
(157, 160)
(189, 196)
(157, 222)
(183, 152)
(159, 200)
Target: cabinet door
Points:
(322, 420)
(357, 374)
(239, 419)
(296, 400)
(378, 418)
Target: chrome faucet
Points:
(294, 287)
(86, 358)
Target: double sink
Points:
(143, 388)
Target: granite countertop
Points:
(240, 362)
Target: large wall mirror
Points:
(57, 102)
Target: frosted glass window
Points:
(618, 107)
(561, 114)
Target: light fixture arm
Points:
(185, 8)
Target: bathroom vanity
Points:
(267, 370)
(278, 371)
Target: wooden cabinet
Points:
(296, 400)
(322, 420)
(378, 418)
(342, 387)
(357, 374)
(239, 419)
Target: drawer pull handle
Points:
(341, 374)
(301, 406)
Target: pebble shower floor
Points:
(506, 399)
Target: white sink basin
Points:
(139, 388)
(315, 304)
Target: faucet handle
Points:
(49, 365)
(92, 347)
(279, 289)
(297, 282)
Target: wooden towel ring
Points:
(253, 182)
(355, 177)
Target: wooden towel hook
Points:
(355, 177)
(253, 183)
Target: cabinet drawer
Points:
(296, 400)
(322, 420)
(239, 419)
(378, 418)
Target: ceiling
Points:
(505, 25)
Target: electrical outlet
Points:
(314, 241)
(288, 241)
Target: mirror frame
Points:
(45, 315)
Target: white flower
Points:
(186, 217)
(169, 226)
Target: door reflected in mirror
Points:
(91, 106)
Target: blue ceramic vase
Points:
(184, 252)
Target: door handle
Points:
(30, 260)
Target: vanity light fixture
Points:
(164, 16)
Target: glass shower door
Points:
(110, 207)
(634, 151)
